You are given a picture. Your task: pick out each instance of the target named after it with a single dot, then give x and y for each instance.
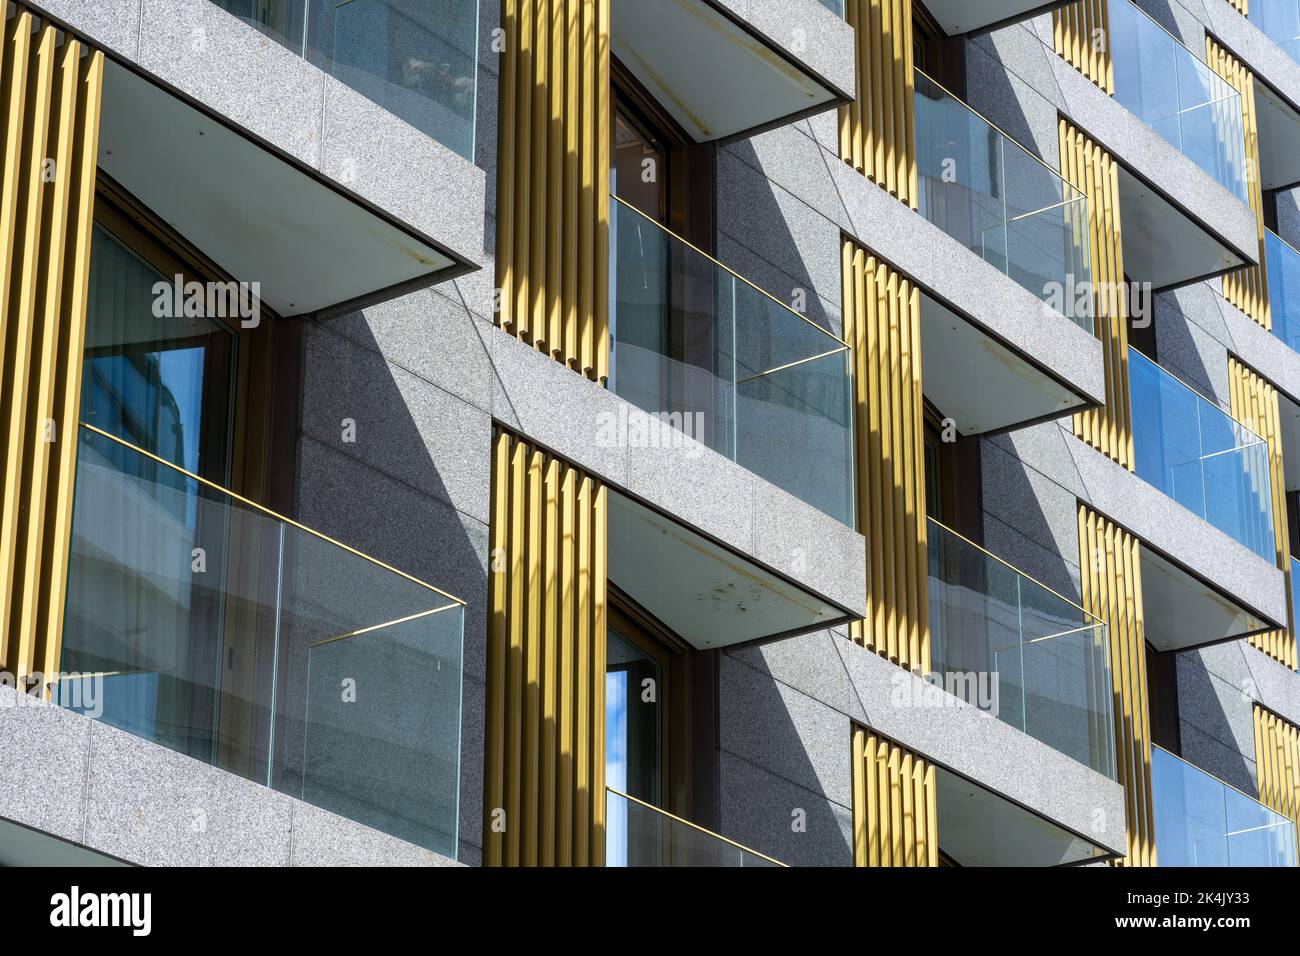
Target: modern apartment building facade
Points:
(650, 432)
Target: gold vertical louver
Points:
(552, 243)
(882, 324)
(1081, 35)
(50, 88)
(1254, 403)
(1245, 288)
(894, 822)
(1090, 169)
(1277, 764)
(1111, 589)
(1241, 6)
(878, 129)
(544, 772)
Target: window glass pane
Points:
(633, 748)
(148, 580)
(638, 168)
(154, 376)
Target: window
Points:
(952, 476)
(659, 723)
(166, 617)
(937, 55)
(639, 176)
(161, 381)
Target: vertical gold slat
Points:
(14, 58)
(882, 326)
(1246, 288)
(546, 660)
(518, 164)
(499, 581)
(894, 822)
(21, 318)
(537, 571)
(507, 119)
(572, 173)
(1254, 403)
(598, 367)
(877, 130)
(1081, 35)
(48, 326)
(1111, 589)
(583, 797)
(67, 387)
(568, 670)
(1277, 764)
(861, 830)
(555, 21)
(591, 181)
(539, 234)
(549, 673)
(907, 808)
(891, 415)
(1091, 170)
(600, 597)
(931, 816)
(516, 611)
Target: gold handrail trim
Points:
(267, 511)
(379, 627)
(789, 365)
(696, 826)
(725, 268)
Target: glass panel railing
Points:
(638, 834)
(1201, 821)
(1201, 456)
(1175, 93)
(1282, 263)
(1279, 20)
(215, 628)
(1002, 642)
(999, 200)
(834, 6)
(416, 60)
(1294, 585)
(713, 355)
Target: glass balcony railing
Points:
(638, 834)
(1295, 591)
(1174, 92)
(734, 368)
(416, 60)
(834, 6)
(1201, 821)
(1200, 456)
(215, 628)
(1279, 20)
(1282, 263)
(999, 200)
(1002, 642)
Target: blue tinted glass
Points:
(1197, 454)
